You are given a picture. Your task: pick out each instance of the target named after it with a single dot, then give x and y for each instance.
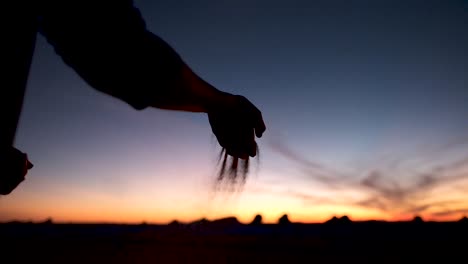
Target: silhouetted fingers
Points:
(236, 128)
(241, 143)
(260, 126)
(258, 123)
(29, 165)
(255, 117)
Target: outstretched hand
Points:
(234, 120)
(235, 124)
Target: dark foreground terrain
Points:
(228, 241)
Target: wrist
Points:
(220, 101)
(204, 95)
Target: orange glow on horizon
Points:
(132, 214)
(193, 200)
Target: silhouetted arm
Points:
(106, 42)
(108, 45)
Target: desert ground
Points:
(228, 241)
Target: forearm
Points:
(111, 49)
(191, 93)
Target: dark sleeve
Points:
(107, 44)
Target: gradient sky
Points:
(366, 106)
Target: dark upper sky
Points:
(354, 85)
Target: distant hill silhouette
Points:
(284, 220)
(174, 223)
(257, 220)
(218, 225)
(417, 220)
(200, 222)
(335, 220)
(48, 221)
(225, 222)
(463, 220)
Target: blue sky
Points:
(354, 86)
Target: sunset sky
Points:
(365, 102)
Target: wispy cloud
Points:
(314, 170)
(450, 212)
(422, 181)
(313, 199)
